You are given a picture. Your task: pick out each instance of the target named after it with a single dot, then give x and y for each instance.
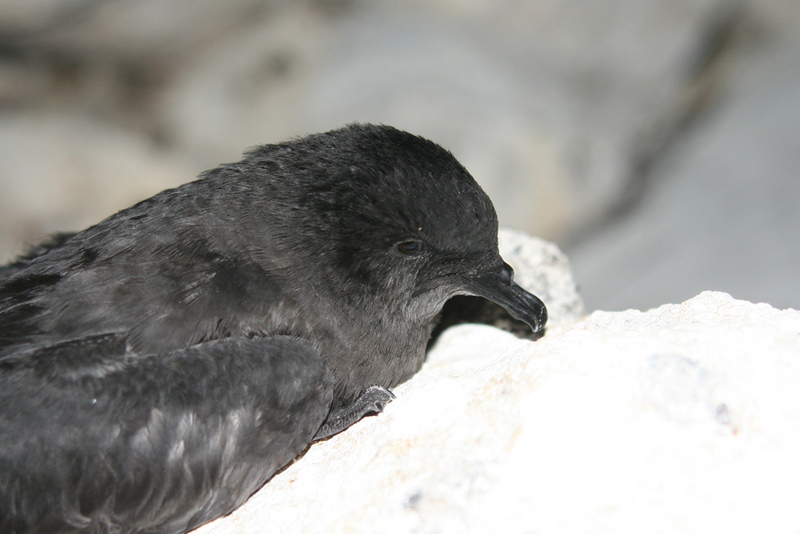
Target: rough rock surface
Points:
(684, 418)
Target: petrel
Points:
(158, 368)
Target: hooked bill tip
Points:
(499, 288)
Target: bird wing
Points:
(94, 435)
(160, 299)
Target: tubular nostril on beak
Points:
(507, 274)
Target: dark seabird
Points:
(158, 368)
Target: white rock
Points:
(685, 418)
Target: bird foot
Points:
(371, 401)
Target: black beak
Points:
(499, 287)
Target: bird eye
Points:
(410, 248)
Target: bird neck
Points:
(366, 349)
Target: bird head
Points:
(391, 216)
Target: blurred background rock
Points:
(657, 141)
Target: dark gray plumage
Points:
(156, 369)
